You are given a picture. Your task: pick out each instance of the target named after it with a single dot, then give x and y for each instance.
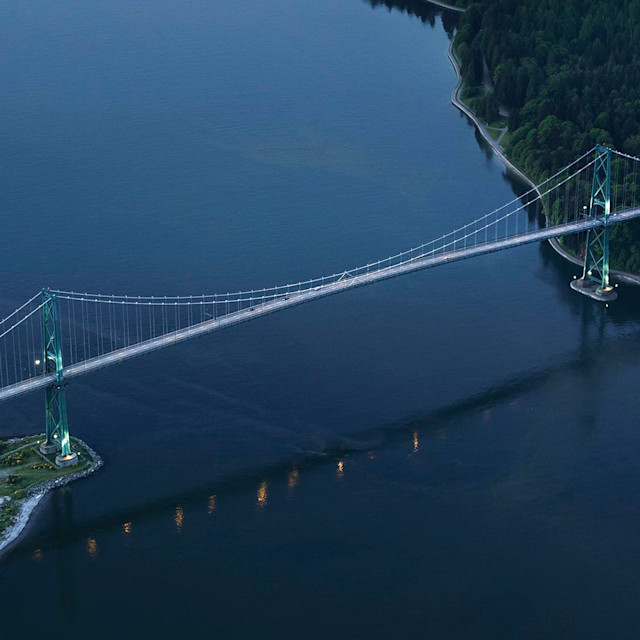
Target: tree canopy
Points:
(568, 72)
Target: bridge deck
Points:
(294, 299)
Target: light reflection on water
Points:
(261, 497)
(291, 478)
(92, 547)
(292, 481)
(178, 518)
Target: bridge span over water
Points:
(57, 335)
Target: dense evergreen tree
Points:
(568, 71)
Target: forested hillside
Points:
(568, 72)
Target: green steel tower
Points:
(595, 274)
(57, 427)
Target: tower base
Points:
(592, 290)
(66, 461)
(48, 448)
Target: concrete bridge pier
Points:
(591, 289)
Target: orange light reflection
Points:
(262, 495)
(92, 547)
(178, 518)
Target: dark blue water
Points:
(452, 454)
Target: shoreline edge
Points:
(11, 536)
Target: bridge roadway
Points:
(296, 298)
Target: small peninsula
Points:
(27, 474)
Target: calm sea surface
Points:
(452, 454)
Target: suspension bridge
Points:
(57, 335)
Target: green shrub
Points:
(13, 459)
(42, 465)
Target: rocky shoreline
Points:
(35, 494)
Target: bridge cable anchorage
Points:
(599, 189)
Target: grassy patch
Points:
(500, 123)
(470, 96)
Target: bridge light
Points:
(589, 272)
(38, 361)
